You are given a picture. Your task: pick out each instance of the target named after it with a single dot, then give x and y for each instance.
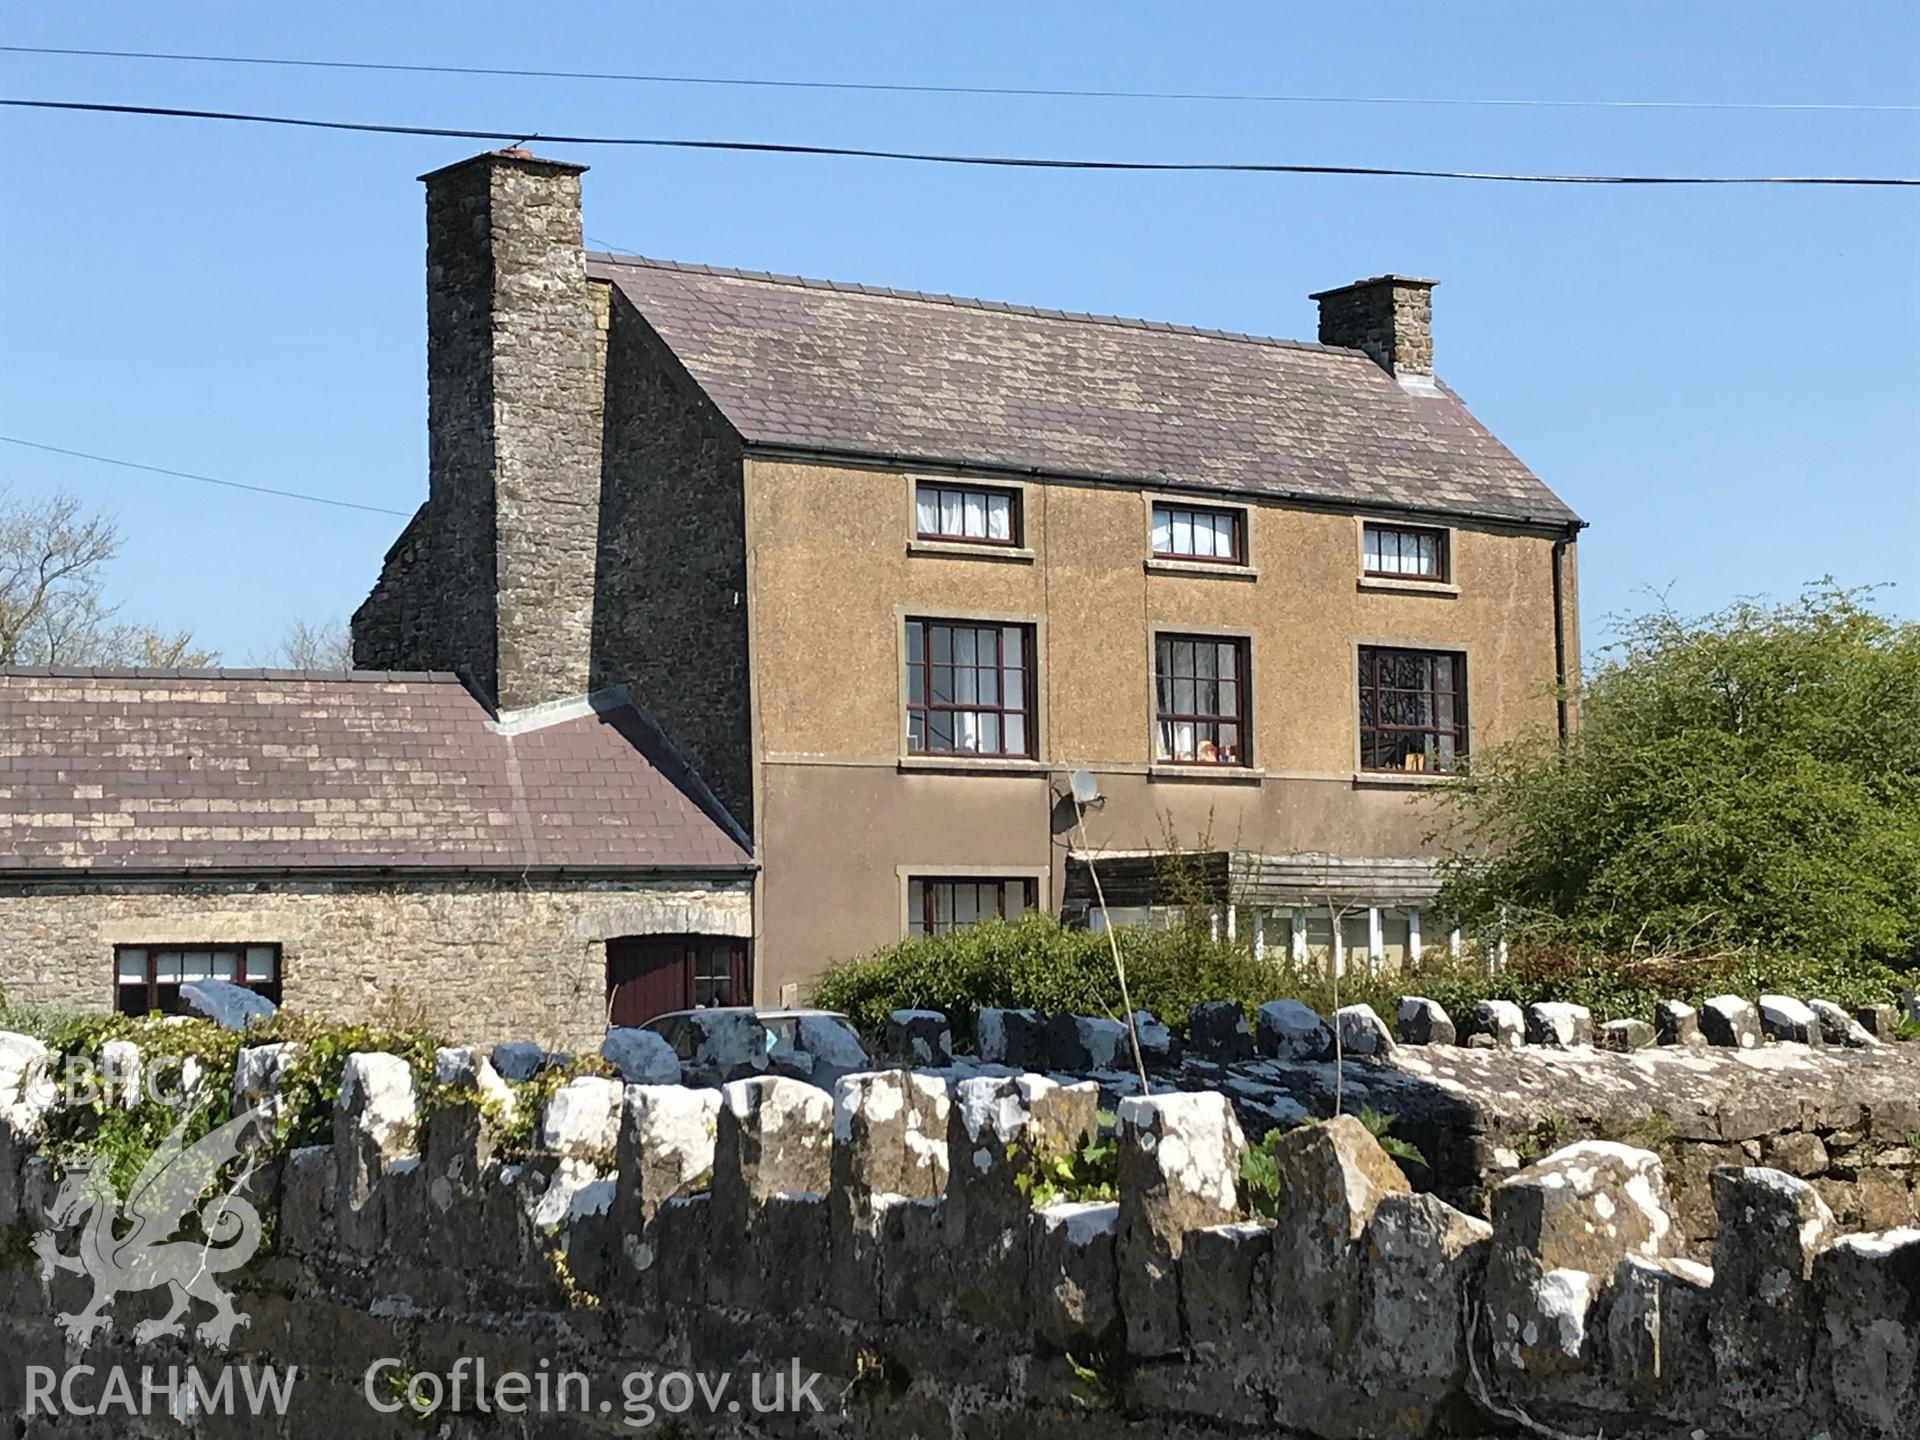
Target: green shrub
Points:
(42, 1022)
(123, 1138)
(1035, 963)
(1745, 782)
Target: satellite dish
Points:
(1086, 789)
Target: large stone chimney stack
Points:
(1390, 317)
(515, 366)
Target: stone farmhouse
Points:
(887, 568)
(753, 621)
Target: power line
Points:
(203, 479)
(762, 147)
(904, 88)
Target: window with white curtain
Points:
(1200, 700)
(971, 514)
(935, 906)
(969, 688)
(1405, 551)
(1186, 532)
(148, 978)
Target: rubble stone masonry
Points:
(886, 1242)
(521, 958)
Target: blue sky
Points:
(1722, 381)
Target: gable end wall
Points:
(670, 611)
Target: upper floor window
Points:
(1200, 700)
(148, 978)
(1413, 709)
(969, 688)
(1406, 552)
(1187, 532)
(935, 906)
(966, 513)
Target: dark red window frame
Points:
(925, 922)
(1207, 724)
(1401, 707)
(924, 667)
(1400, 534)
(1237, 517)
(717, 975)
(653, 975)
(1016, 521)
(152, 993)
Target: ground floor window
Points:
(149, 977)
(653, 975)
(935, 906)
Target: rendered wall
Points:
(835, 571)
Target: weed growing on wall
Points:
(310, 1085)
(512, 1125)
(1090, 1173)
(1260, 1172)
(121, 1133)
(198, 1059)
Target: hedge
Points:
(1036, 963)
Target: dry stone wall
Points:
(1486, 1095)
(883, 1238)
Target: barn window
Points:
(148, 977)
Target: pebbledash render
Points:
(887, 568)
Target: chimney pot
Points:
(1390, 317)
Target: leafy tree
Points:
(53, 558)
(1742, 783)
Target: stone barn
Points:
(364, 845)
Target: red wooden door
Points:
(648, 975)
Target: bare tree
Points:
(326, 646)
(53, 557)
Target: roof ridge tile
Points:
(968, 302)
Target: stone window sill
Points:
(1409, 587)
(1399, 779)
(1161, 770)
(1006, 554)
(1211, 570)
(972, 765)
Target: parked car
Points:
(817, 1045)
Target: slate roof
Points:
(844, 369)
(184, 770)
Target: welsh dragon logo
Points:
(134, 1247)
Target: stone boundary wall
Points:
(880, 1236)
(1803, 1087)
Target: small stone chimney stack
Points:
(1390, 317)
(515, 389)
